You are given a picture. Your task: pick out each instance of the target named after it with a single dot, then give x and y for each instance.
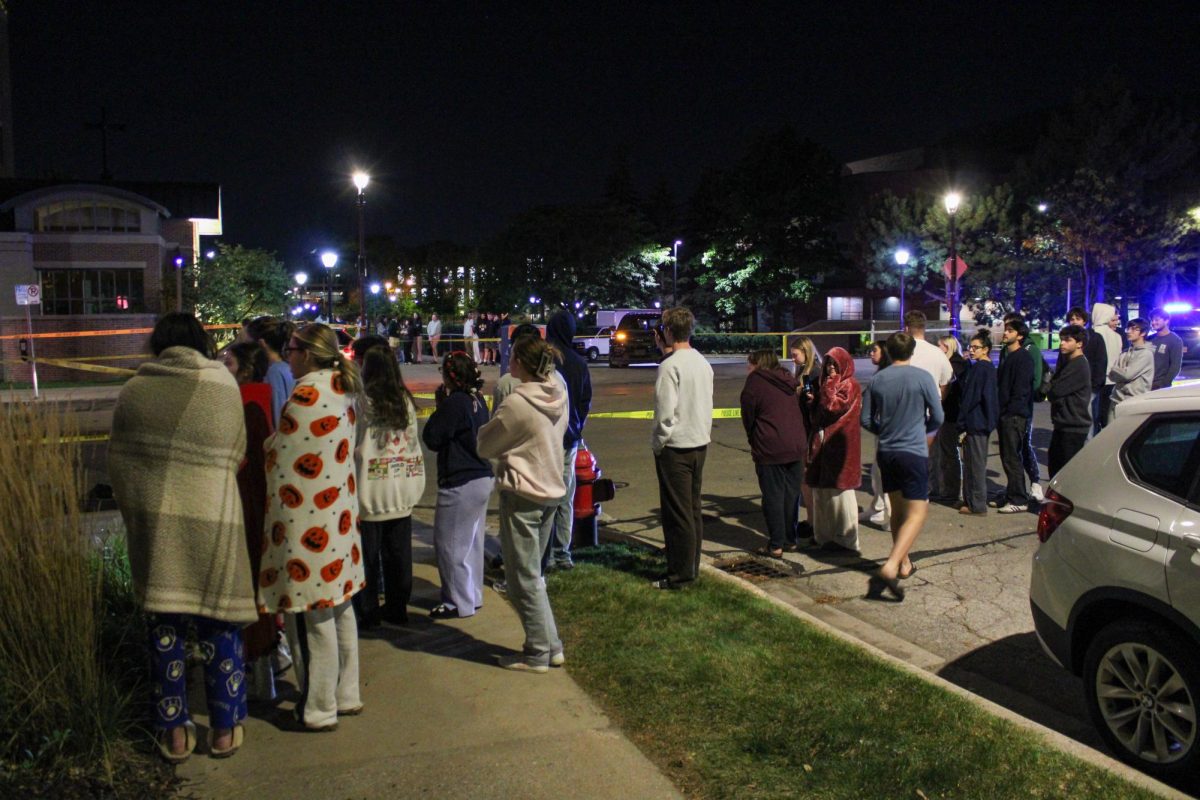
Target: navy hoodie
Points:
(450, 432)
(560, 332)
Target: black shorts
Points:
(905, 473)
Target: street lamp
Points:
(375, 288)
(178, 281)
(902, 256)
(301, 278)
(952, 201)
(329, 259)
(361, 179)
(675, 274)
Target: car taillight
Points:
(621, 336)
(1055, 509)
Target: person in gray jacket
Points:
(1133, 372)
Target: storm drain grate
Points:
(753, 570)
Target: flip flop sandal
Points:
(164, 746)
(239, 736)
(769, 553)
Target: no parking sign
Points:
(29, 294)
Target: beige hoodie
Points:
(525, 441)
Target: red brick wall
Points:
(74, 347)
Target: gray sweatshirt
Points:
(1132, 373)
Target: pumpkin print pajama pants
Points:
(224, 674)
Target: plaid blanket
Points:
(178, 436)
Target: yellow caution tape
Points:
(717, 413)
(69, 364)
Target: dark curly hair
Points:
(387, 397)
(272, 331)
(180, 329)
(461, 373)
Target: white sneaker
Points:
(519, 664)
(1012, 508)
(557, 659)
(880, 519)
(1036, 492)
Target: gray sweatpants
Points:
(564, 513)
(524, 533)
(458, 534)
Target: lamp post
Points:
(178, 281)
(361, 179)
(902, 256)
(329, 259)
(675, 275)
(952, 201)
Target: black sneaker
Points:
(666, 584)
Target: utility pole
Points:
(104, 126)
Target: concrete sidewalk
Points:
(441, 720)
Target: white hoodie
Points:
(1101, 314)
(524, 439)
(391, 468)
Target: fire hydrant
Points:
(585, 531)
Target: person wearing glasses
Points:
(312, 561)
(978, 412)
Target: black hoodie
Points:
(560, 332)
(772, 418)
(1071, 395)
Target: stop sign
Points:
(960, 267)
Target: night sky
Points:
(466, 114)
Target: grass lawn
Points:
(733, 697)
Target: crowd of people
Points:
(413, 338)
(933, 410)
(268, 491)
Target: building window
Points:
(72, 216)
(845, 308)
(92, 291)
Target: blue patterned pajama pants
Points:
(224, 672)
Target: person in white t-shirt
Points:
(928, 357)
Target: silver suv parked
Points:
(1115, 590)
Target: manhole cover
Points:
(753, 570)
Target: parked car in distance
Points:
(632, 341)
(1187, 327)
(594, 346)
(1115, 587)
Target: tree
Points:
(768, 224)
(1107, 165)
(574, 253)
(238, 282)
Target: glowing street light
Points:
(361, 179)
(329, 259)
(375, 288)
(953, 200)
(902, 256)
(1043, 208)
(301, 278)
(675, 273)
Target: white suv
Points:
(1115, 589)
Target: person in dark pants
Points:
(978, 410)
(391, 477)
(1015, 387)
(778, 439)
(1070, 399)
(683, 396)
(949, 466)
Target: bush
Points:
(72, 679)
(714, 343)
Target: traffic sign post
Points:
(30, 295)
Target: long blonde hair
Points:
(810, 354)
(322, 344)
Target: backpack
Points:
(1042, 391)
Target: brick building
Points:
(104, 255)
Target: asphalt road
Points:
(966, 616)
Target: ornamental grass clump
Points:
(69, 630)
